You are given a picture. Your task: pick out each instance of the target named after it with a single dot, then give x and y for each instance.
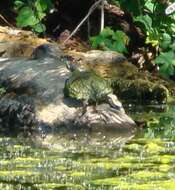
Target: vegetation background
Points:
(139, 29)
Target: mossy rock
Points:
(128, 83)
(140, 91)
(87, 86)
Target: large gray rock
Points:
(42, 79)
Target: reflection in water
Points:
(85, 161)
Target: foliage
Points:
(159, 28)
(162, 126)
(31, 13)
(109, 39)
(166, 61)
(149, 15)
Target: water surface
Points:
(93, 161)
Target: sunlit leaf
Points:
(41, 5)
(149, 5)
(145, 20)
(26, 17)
(18, 4)
(107, 32)
(166, 61)
(39, 28)
(165, 41)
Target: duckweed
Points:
(89, 162)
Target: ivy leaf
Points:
(107, 32)
(39, 28)
(119, 46)
(26, 17)
(41, 5)
(96, 40)
(120, 36)
(110, 40)
(121, 40)
(41, 15)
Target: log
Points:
(40, 79)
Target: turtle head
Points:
(114, 102)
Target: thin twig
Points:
(92, 8)
(88, 27)
(102, 15)
(6, 21)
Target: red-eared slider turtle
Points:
(90, 88)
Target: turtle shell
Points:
(87, 86)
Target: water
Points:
(98, 161)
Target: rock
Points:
(16, 116)
(105, 117)
(15, 49)
(47, 51)
(141, 91)
(42, 80)
(18, 43)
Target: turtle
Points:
(90, 89)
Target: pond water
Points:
(94, 161)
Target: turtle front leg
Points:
(94, 106)
(85, 104)
(114, 102)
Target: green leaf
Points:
(26, 17)
(145, 20)
(166, 57)
(18, 4)
(167, 63)
(39, 28)
(110, 40)
(41, 15)
(121, 36)
(41, 5)
(165, 41)
(119, 47)
(96, 40)
(107, 32)
(153, 37)
(149, 5)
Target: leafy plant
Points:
(109, 39)
(162, 125)
(31, 13)
(159, 29)
(157, 26)
(166, 61)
